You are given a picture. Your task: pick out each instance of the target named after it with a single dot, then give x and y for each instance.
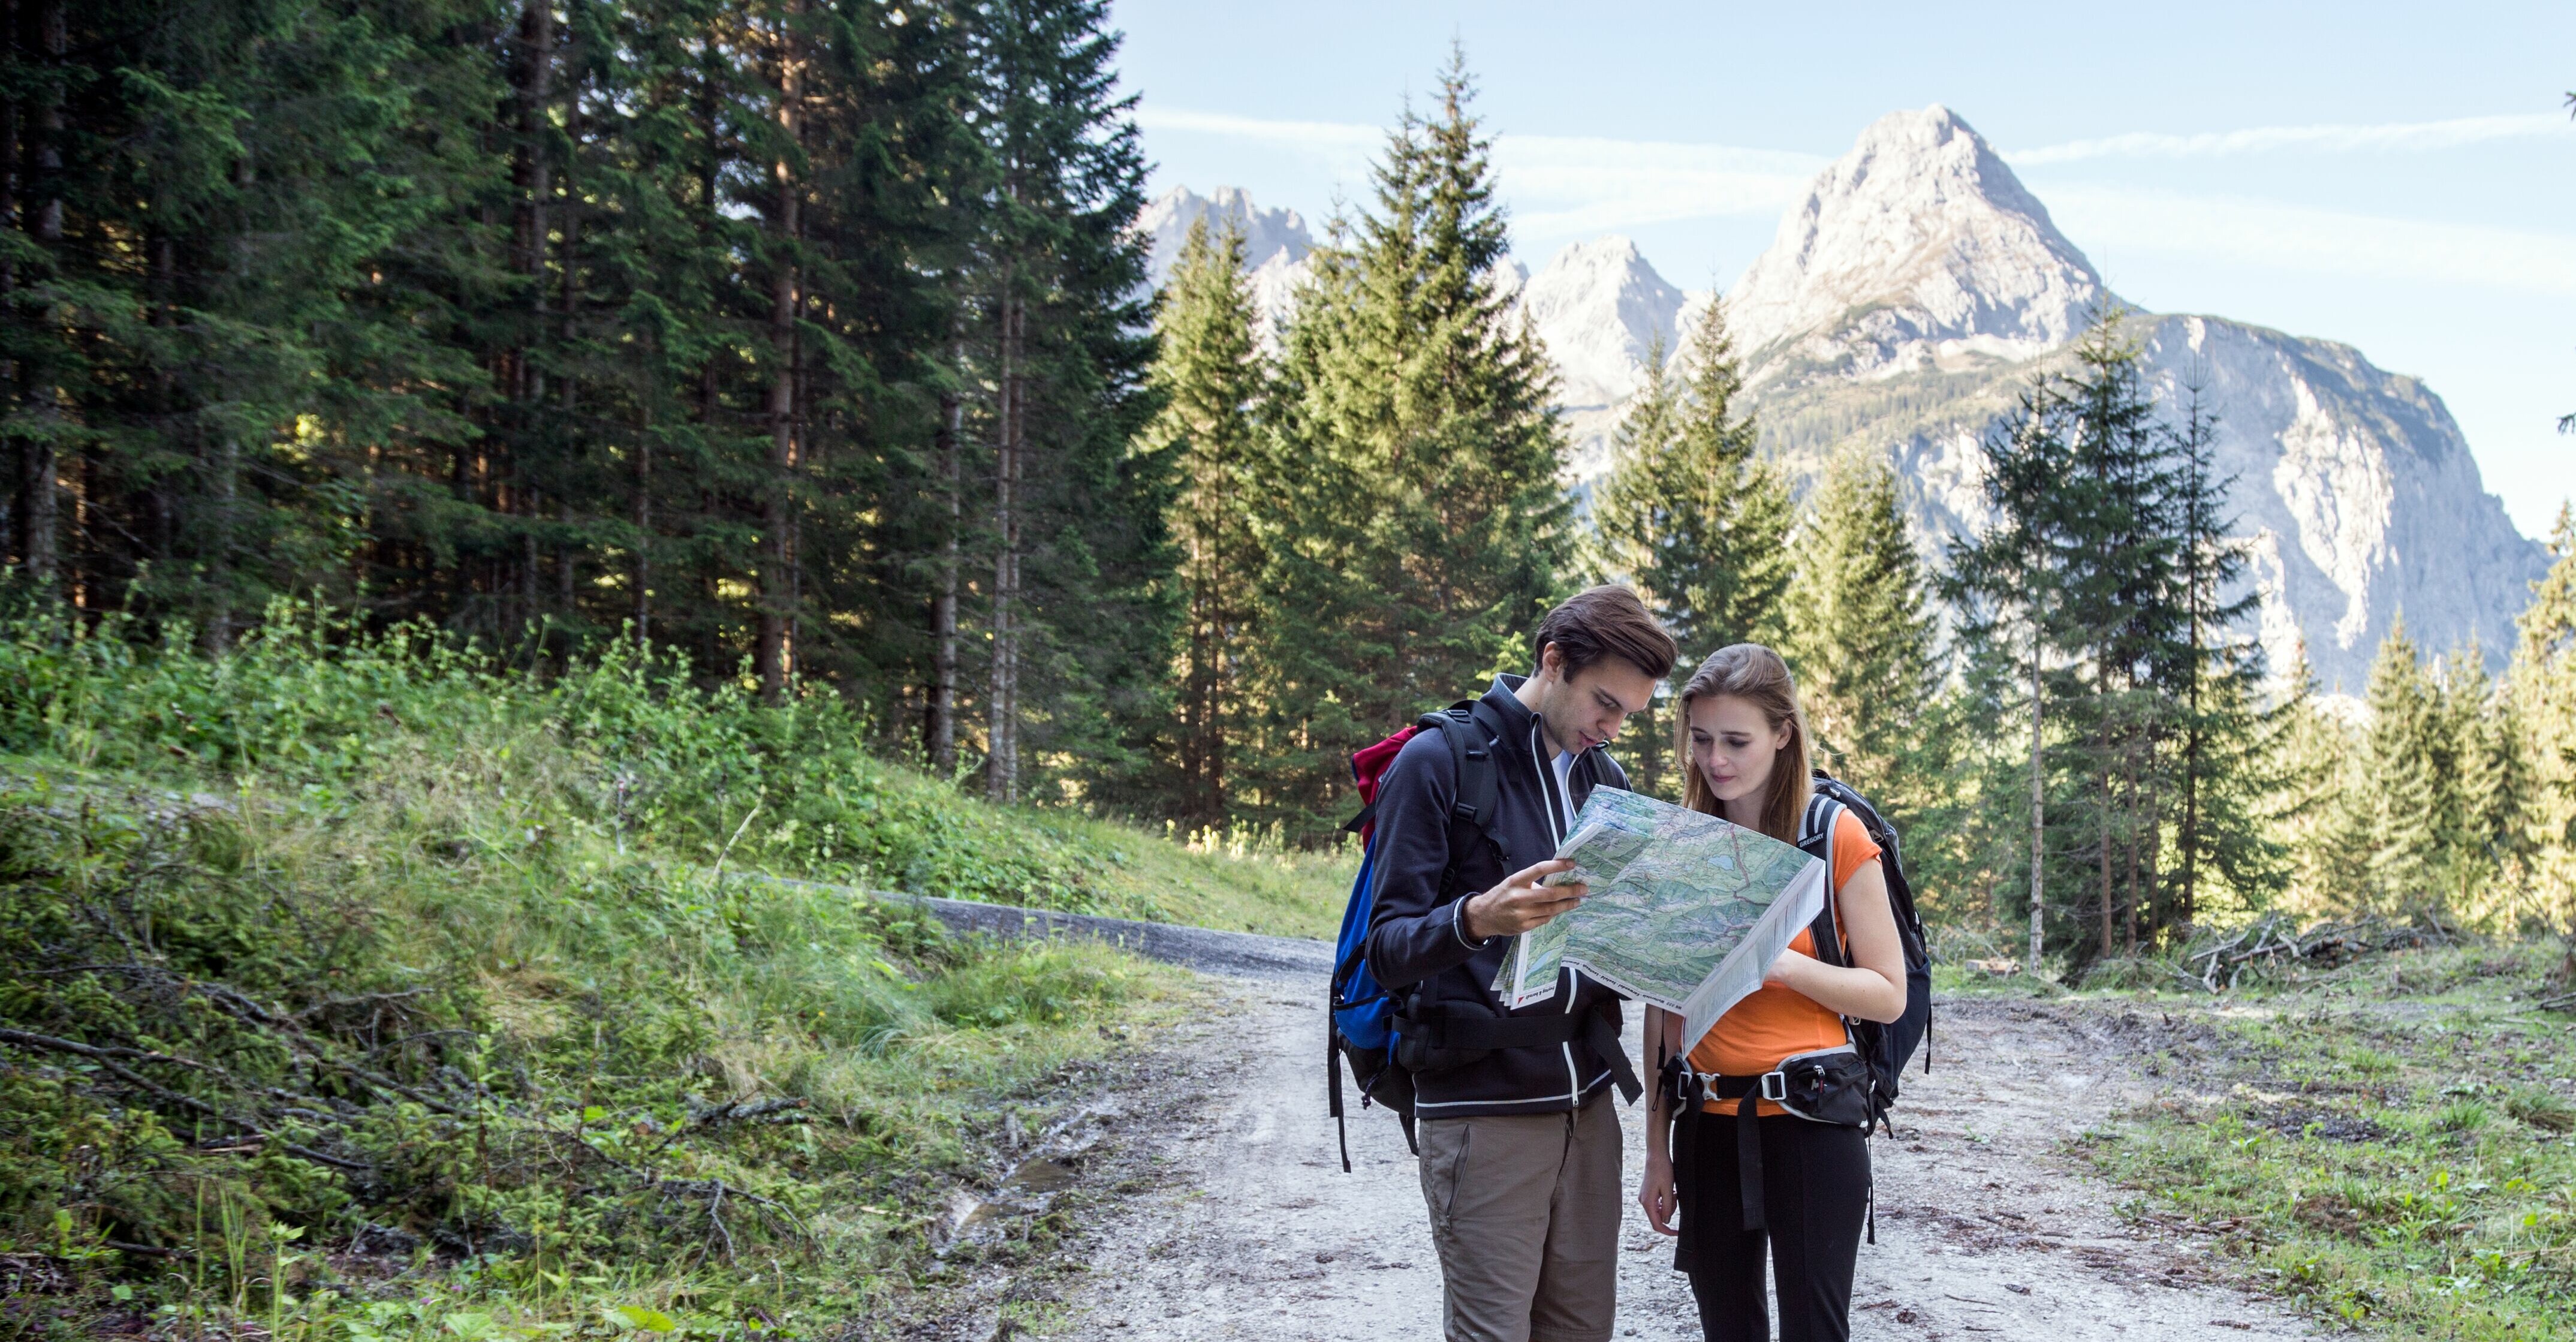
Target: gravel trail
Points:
(1218, 1208)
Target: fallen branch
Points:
(776, 1111)
(107, 1059)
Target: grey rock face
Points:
(1917, 249)
(1918, 287)
(1275, 245)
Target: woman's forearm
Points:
(1862, 993)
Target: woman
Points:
(1745, 757)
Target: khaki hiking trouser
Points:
(1525, 1214)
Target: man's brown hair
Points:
(1607, 621)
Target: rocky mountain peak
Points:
(1600, 307)
(1267, 234)
(1926, 236)
(1275, 246)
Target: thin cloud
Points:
(1294, 134)
(2408, 136)
(2287, 237)
(1559, 185)
(1564, 185)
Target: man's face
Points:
(1586, 709)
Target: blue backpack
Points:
(1364, 1020)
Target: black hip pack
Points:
(1826, 1086)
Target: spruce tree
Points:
(2408, 735)
(1630, 512)
(2542, 686)
(1696, 518)
(2219, 734)
(2496, 806)
(1415, 513)
(1078, 613)
(2118, 610)
(1861, 633)
(2007, 585)
(1209, 379)
(2321, 811)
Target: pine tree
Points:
(1415, 518)
(1698, 520)
(2408, 735)
(1209, 375)
(1861, 634)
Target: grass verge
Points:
(327, 1074)
(2392, 1145)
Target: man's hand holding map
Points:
(1686, 911)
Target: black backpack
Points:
(1890, 1046)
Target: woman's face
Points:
(1732, 746)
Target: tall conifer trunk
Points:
(2192, 725)
(942, 727)
(1002, 769)
(533, 175)
(2110, 816)
(12, 374)
(774, 653)
(642, 610)
(40, 501)
(2038, 801)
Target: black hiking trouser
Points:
(1815, 1193)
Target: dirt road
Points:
(1208, 1199)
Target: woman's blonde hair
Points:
(1755, 674)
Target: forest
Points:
(810, 343)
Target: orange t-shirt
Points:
(1756, 1033)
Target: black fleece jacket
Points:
(1414, 934)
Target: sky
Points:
(2398, 178)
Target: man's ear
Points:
(1551, 659)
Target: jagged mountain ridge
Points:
(1918, 286)
(1275, 244)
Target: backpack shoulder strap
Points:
(1471, 731)
(1816, 834)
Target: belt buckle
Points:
(1775, 1086)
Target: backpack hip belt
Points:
(1433, 1042)
(1830, 1086)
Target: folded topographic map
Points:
(1686, 911)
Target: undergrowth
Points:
(2392, 1144)
(625, 742)
(358, 991)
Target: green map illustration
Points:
(1685, 910)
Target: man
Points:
(1519, 1146)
